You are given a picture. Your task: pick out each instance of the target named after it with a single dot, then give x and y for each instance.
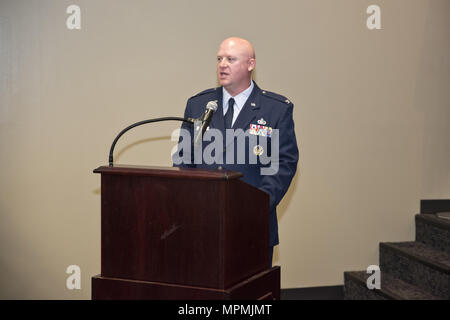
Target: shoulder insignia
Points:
(276, 96)
(204, 92)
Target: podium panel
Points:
(262, 286)
(183, 227)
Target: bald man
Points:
(243, 105)
(235, 63)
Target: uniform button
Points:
(220, 168)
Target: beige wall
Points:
(371, 114)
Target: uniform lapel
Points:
(249, 111)
(217, 122)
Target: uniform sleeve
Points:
(276, 185)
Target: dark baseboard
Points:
(313, 293)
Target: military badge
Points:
(260, 130)
(258, 150)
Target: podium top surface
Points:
(170, 172)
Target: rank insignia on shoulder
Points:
(260, 130)
(276, 96)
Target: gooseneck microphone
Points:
(111, 160)
(211, 107)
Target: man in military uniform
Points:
(243, 105)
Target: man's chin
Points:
(224, 83)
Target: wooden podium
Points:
(171, 233)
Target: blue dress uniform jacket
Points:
(274, 111)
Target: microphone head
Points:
(212, 105)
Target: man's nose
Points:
(223, 63)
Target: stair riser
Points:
(414, 272)
(357, 291)
(433, 235)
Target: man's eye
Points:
(229, 59)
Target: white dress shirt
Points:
(239, 101)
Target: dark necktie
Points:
(229, 114)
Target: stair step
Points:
(433, 231)
(418, 264)
(355, 288)
(426, 254)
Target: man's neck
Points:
(235, 92)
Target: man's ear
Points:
(251, 64)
